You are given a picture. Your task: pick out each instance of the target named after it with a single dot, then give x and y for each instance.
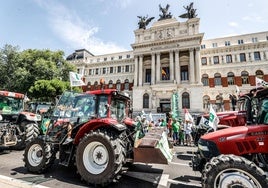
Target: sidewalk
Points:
(7, 182)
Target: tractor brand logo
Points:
(258, 133)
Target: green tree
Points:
(9, 59)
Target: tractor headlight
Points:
(203, 148)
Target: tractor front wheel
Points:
(232, 171)
(38, 156)
(99, 157)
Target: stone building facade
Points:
(172, 57)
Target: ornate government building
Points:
(171, 57)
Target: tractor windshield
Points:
(118, 109)
(10, 105)
(73, 105)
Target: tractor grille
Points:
(246, 146)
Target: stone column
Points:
(177, 68)
(171, 66)
(140, 70)
(192, 67)
(157, 67)
(153, 69)
(136, 74)
(197, 62)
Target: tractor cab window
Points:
(118, 109)
(103, 106)
(263, 113)
(11, 105)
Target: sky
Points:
(107, 26)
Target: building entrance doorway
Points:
(165, 106)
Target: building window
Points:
(112, 58)
(97, 71)
(110, 84)
(165, 73)
(206, 102)
(120, 57)
(266, 37)
(230, 78)
(227, 43)
(217, 79)
(119, 69)
(126, 84)
(216, 59)
(214, 45)
(229, 59)
(104, 70)
(148, 76)
(127, 68)
(242, 57)
(118, 85)
(204, 61)
(257, 56)
(254, 39)
(185, 100)
(205, 79)
(244, 77)
(259, 74)
(90, 72)
(240, 41)
(203, 46)
(128, 56)
(184, 73)
(89, 85)
(105, 59)
(111, 70)
(145, 100)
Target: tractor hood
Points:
(236, 140)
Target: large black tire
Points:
(30, 131)
(99, 158)
(232, 171)
(38, 156)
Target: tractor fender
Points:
(28, 116)
(97, 124)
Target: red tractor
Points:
(93, 131)
(17, 127)
(237, 156)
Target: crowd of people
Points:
(180, 132)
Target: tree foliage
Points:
(40, 73)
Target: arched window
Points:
(259, 74)
(118, 85)
(205, 79)
(244, 77)
(126, 84)
(185, 97)
(206, 102)
(146, 100)
(230, 78)
(217, 79)
(110, 84)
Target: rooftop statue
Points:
(165, 14)
(190, 12)
(144, 21)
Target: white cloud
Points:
(233, 24)
(74, 31)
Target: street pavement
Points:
(176, 174)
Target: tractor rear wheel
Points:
(232, 171)
(99, 157)
(38, 156)
(31, 131)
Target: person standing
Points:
(169, 126)
(188, 132)
(175, 130)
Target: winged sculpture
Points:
(191, 12)
(165, 14)
(144, 21)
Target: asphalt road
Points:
(176, 174)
